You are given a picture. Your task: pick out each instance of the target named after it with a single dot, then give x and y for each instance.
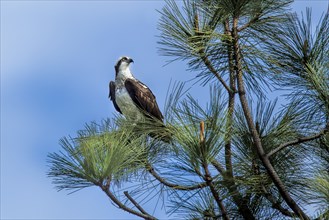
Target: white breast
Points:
(126, 105)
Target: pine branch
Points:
(206, 60)
(135, 203)
(227, 174)
(238, 199)
(207, 177)
(211, 68)
(257, 141)
(298, 141)
(151, 170)
(276, 204)
(230, 184)
(231, 104)
(209, 180)
(123, 207)
(218, 166)
(250, 22)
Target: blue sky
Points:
(57, 58)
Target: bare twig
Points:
(298, 141)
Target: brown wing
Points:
(143, 98)
(112, 96)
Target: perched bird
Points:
(131, 97)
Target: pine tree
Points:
(243, 156)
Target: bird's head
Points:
(122, 65)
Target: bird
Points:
(131, 97)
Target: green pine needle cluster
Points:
(98, 154)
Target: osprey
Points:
(131, 97)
